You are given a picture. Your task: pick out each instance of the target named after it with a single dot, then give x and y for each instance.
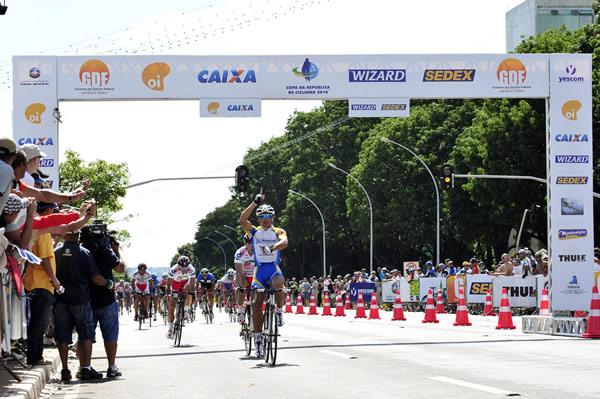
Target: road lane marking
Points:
(338, 354)
(466, 384)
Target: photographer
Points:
(105, 251)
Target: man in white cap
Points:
(8, 152)
(34, 155)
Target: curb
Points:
(33, 380)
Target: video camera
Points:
(96, 236)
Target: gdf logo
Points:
(154, 75)
(33, 113)
(94, 73)
(480, 288)
(570, 109)
(511, 71)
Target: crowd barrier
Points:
(522, 292)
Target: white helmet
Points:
(265, 210)
(230, 271)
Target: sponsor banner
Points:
(453, 283)
(379, 108)
(521, 291)
(389, 289)
(304, 76)
(478, 286)
(413, 288)
(367, 290)
(433, 283)
(34, 104)
(570, 200)
(230, 108)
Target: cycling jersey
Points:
(262, 240)
(142, 282)
(206, 282)
(181, 275)
(227, 282)
(243, 257)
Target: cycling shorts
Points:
(139, 288)
(263, 275)
(178, 285)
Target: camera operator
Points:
(105, 251)
(75, 267)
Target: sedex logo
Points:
(480, 288)
(154, 75)
(449, 75)
(572, 180)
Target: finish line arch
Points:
(563, 80)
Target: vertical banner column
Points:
(570, 191)
(34, 102)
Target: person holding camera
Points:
(105, 251)
(75, 268)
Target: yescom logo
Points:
(33, 113)
(94, 73)
(511, 71)
(154, 75)
(213, 107)
(570, 109)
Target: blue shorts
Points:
(68, 316)
(109, 322)
(263, 275)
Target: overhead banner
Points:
(34, 102)
(389, 289)
(230, 108)
(379, 108)
(521, 291)
(303, 77)
(478, 286)
(570, 176)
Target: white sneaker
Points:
(258, 345)
(170, 332)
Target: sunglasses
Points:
(267, 216)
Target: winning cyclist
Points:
(206, 284)
(141, 281)
(244, 272)
(181, 281)
(267, 242)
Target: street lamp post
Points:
(323, 223)
(222, 250)
(230, 240)
(370, 210)
(437, 194)
(232, 229)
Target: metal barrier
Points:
(569, 326)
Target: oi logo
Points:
(33, 113)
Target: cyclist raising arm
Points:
(267, 242)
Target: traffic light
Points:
(242, 178)
(447, 177)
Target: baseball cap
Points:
(14, 203)
(32, 151)
(7, 146)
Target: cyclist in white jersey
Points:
(181, 280)
(244, 273)
(142, 283)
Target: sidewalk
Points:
(34, 379)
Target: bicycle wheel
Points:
(247, 333)
(179, 324)
(165, 311)
(266, 337)
(150, 313)
(273, 332)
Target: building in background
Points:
(536, 16)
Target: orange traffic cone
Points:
(439, 309)
(488, 309)
(374, 309)
(592, 329)
(339, 307)
(288, 304)
(398, 310)
(545, 305)
(299, 307)
(360, 308)
(462, 313)
(312, 310)
(348, 305)
(326, 306)
(430, 309)
(505, 319)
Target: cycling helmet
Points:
(165, 275)
(204, 270)
(230, 271)
(183, 260)
(265, 210)
(153, 276)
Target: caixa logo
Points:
(227, 76)
(571, 138)
(47, 163)
(36, 140)
(570, 75)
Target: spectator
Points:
(450, 267)
(10, 213)
(75, 268)
(104, 306)
(525, 264)
(327, 285)
(305, 288)
(484, 268)
(474, 266)
(441, 270)
(34, 155)
(314, 289)
(597, 259)
(465, 269)
(365, 275)
(543, 269)
(517, 267)
(505, 268)
(430, 271)
(8, 153)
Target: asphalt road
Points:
(327, 357)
